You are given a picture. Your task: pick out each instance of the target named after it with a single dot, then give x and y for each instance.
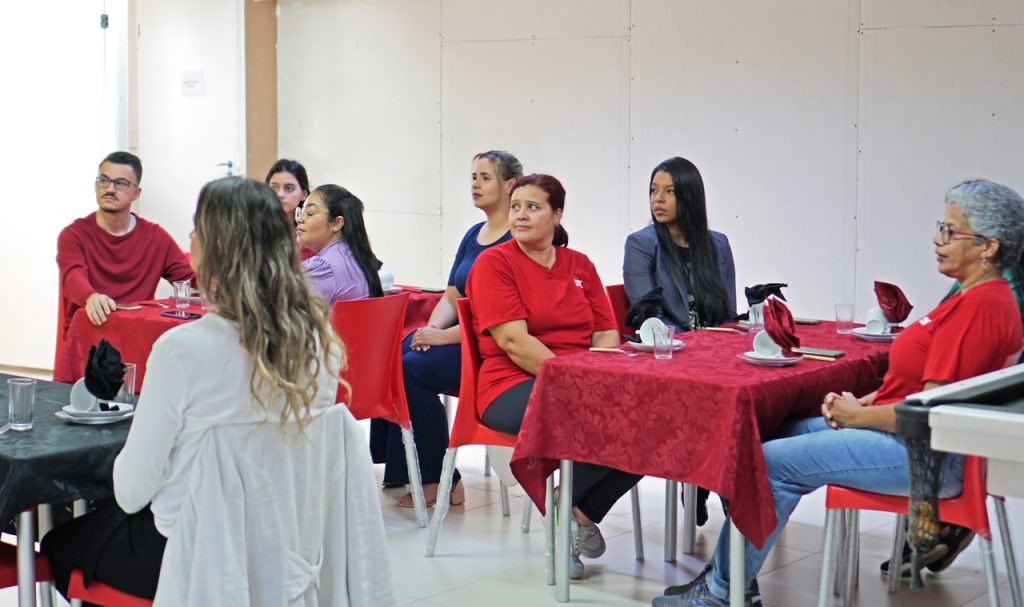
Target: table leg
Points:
(737, 550)
(26, 559)
(549, 529)
(78, 508)
(671, 519)
(562, 537)
(689, 517)
(45, 524)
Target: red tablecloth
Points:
(699, 417)
(133, 333)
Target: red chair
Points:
(967, 510)
(62, 318)
(9, 567)
(372, 332)
(620, 305)
(99, 593)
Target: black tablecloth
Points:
(55, 462)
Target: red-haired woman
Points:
(535, 276)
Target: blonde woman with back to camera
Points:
(237, 451)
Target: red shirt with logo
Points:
(562, 306)
(971, 333)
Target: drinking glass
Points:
(844, 318)
(127, 392)
(663, 339)
(182, 290)
(755, 319)
(22, 393)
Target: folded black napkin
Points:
(648, 306)
(758, 293)
(104, 371)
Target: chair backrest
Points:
(371, 330)
(62, 319)
(468, 429)
(620, 304)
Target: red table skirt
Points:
(699, 417)
(133, 333)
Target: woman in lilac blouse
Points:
(331, 225)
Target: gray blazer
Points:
(646, 267)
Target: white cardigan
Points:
(254, 515)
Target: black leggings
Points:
(121, 550)
(595, 489)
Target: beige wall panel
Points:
(763, 100)
(940, 13)
(476, 20)
(939, 105)
(561, 106)
(358, 98)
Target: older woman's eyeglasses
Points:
(947, 233)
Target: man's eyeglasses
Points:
(947, 233)
(120, 184)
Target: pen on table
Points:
(596, 349)
(828, 359)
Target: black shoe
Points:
(702, 505)
(956, 540)
(936, 553)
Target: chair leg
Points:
(899, 537)
(689, 517)
(671, 519)
(828, 558)
(638, 535)
(447, 470)
(989, 562)
(852, 524)
(45, 515)
(527, 512)
(78, 508)
(842, 526)
(487, 463)
(412, 463)
(1011, 560)
(549, 529)
(563, 543)
(505, 508)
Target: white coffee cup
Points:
(81, 399)
(876, 323)
(647, 329)
(765, 346)
(387, 279)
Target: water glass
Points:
(182, 291)
(664, 336)
(22, 392)
(127, 392)
(755, 319)
(844, 318)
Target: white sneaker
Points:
(588, 539)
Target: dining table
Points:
(699, 418)
(52, 463)
(134, 331)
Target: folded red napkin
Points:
(893, 302)
(778, 322)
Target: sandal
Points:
(457, 497)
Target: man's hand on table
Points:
(98, 307)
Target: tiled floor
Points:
(483, 558)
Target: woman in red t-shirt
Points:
(975, 331)
(533, 299)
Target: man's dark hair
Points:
(126, 158)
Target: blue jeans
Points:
(808, 454)
(426, 376)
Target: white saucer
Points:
(639, 347)
(766, 361)
(94, 421)
(862, 333)
(96, 413)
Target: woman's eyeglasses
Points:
(947, 233)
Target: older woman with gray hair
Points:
(975, 331)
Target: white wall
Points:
(56, 130)
(827, 132)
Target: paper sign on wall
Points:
(192, 83)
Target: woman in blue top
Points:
(432, 359)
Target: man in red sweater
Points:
(113, 255)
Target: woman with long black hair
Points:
(692, 264)
(330, 224)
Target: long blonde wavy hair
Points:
(248, 270)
